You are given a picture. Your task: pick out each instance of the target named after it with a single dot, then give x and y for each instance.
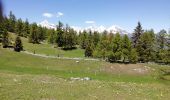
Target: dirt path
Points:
(69, 58)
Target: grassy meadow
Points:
(28, 77)
(48, 49)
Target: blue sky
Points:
(124, 13)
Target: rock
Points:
(15, 80)
(80, 79)
(87, 78)
(77, 61)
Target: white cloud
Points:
(89, 22)
(49, 15)
(59, 14)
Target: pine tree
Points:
(133, 56)
(116, 48)
(103, 48)
(66, 36)
(161, 39)
(52, 36)
(12, 22)
(33, 38)
(69, 38)
(1, 31)
(161, 45)
(41, 33)
(96, 38)
(18, 44)
(136, 35)
(6, 23)
(145, 47)
(26, 29)
(83, 39)
(19, 27)
(72, 38)
(168, 49)
(60, 32)
(5, 38)
(126, 48)
(89, 49)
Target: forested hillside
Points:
(142, 46)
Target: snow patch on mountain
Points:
(46, 24)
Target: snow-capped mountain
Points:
(113, 29)
(116, 29)
(46, 24)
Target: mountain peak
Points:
(113, 29)
(46, 24)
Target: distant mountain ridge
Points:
(46, 24)
(113, 29)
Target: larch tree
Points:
(126, 48)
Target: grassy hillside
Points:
(25, 76)
(48, 49)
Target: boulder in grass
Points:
(77, 61)
(86, 78)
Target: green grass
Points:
(27, 77)
(23, 63)
(39, 87)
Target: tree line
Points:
(141, 46)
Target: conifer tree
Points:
(103, 48)
(52, 36)
(60, 32)
(89, 49)
(161, 45)
(133, 56)
(72, 38)
(41, 33)
(69, 38)
(4, 38)
(12, 22)
(96, 38)
(18, 44)
(145, 47)
(136, 35)
(83, 39)
(6, 23)
(116, 47)
(66, 36)
(161, 39)
(33, 38)
(26, 29)
(19, 27)
(126, 48)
